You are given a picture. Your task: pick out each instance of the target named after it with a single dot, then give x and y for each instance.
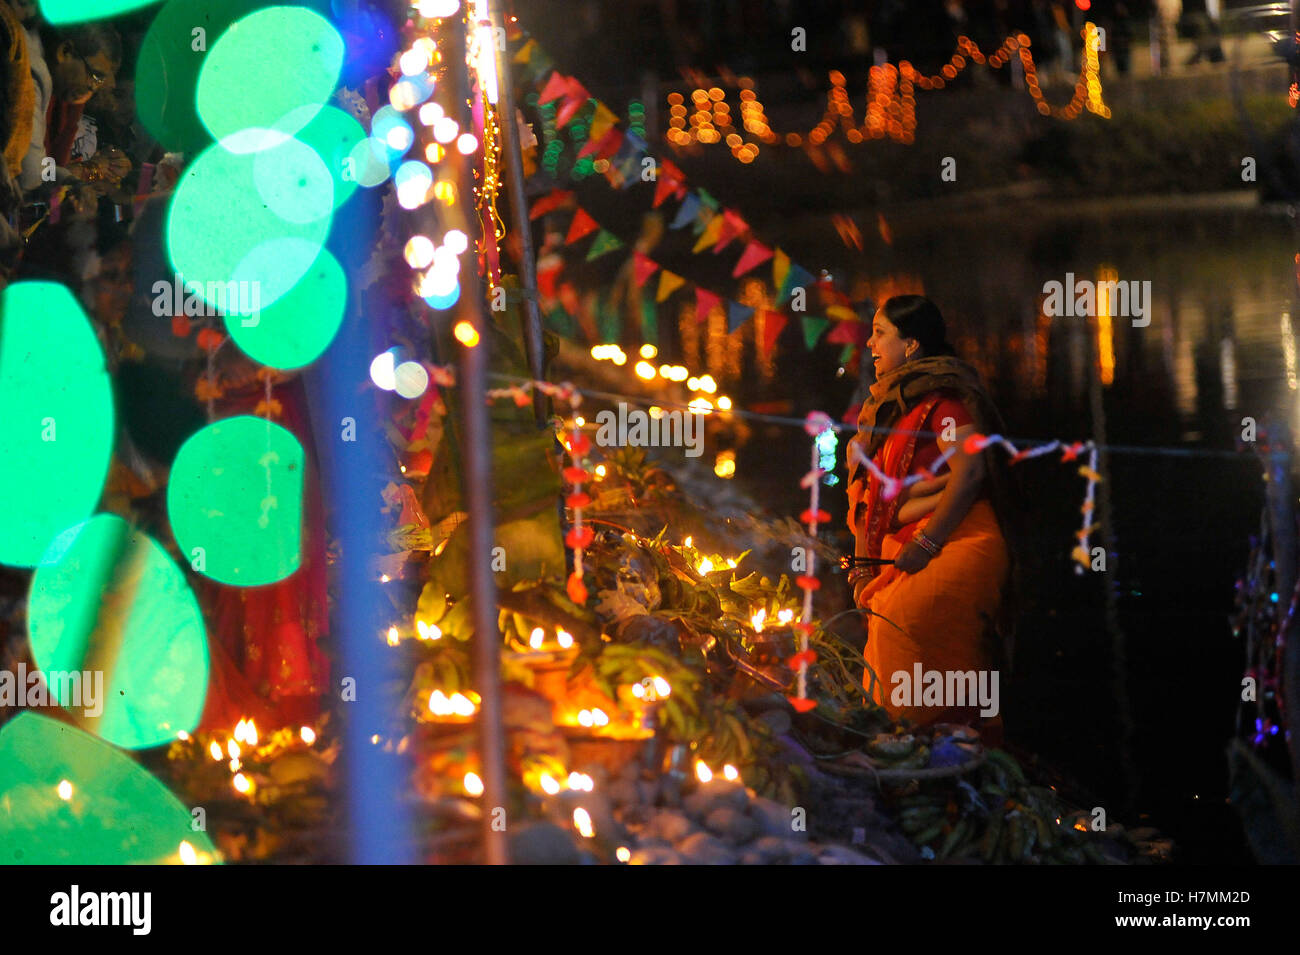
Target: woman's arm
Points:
(967, 474)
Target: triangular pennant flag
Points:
(797, 277)
(755, 254)
(602, 120)
(525, 53)
(581, 225)
(708, 200)
(643, 267)
(687, 213)
(669, 170)
(780, 269)
(549, 202)
(669, 282)
(639, 145)
(665, 187)
(556, 86)
(630, 170)
(649, 320)
(849, 333)
(570, 110)
(842, 313)
(547, 276)
(603, 146)
(604, 243)
(732, 226)
(607, 320)
(846, 353)
(709, 235)
(813, 329)
(773, 324)
(737, 315)
(705, 302)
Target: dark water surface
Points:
(1219, 347)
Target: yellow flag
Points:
(710, 234)
(780, 269)
(669, 282)
(526, 52)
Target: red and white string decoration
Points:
(816, 424)
(976, 443)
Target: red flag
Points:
(546, 280)
(604, 147)
(705, 302)
(732, 226)
(773, 324)
(549, 203)
(556, 86)
(664, 188)
(850, 333)
(642, 268)
(582, 224)
(570, 109)
(755, 254)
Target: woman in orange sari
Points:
(936, 604)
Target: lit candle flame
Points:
(308, 735)
(548, 784)
(582, 822)
(702, 772)
(65, 790)
(758, 619)
(730, 772)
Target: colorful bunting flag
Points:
(737, 315)
(755, 254)
(643, 267)
(773, 324)
(842, 313)
(710, 234)
(664, 188)
(849, 333)
(813, 329)
(556, 86)
(549, 203)
(582, 225)
(604, 146)
(690, 208)
(669, 282)
(797, 277)
(732, 226)
(705, 303)
(780, 269)
(604, 243)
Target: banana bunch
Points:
(1011, 822)
(898, 751)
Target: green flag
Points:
(604, 243)
(813, 329)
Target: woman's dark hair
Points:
(915, 316)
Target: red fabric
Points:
(264, 642)
(927, 449)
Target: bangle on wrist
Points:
(922, 540)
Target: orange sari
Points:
(941, 616)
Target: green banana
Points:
(926, 836)
(989, 841)
(1006, 762)
(954, 838)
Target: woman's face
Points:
(888, 348)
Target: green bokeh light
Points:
(236, 492)
(61, 12)
(224, 222)
(267, 65)
(56, 418)
(116, 813)
(107, 598)
(167, 69)
(297, 329)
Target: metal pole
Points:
(477, 432)
(514, 157)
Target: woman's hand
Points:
(912, 558)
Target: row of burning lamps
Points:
(647, 371)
